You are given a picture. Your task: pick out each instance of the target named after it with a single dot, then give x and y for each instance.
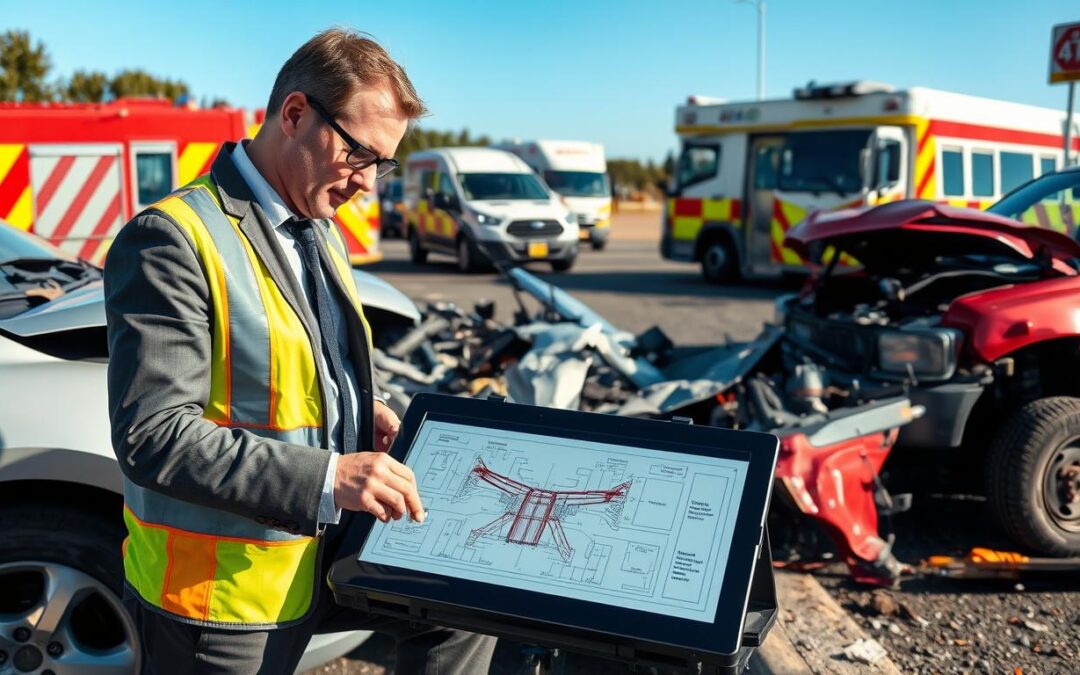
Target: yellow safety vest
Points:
(203, 565)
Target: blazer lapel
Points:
(238, 201)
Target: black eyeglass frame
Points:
(384, 166)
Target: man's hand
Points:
(379, 484)
(386, 426)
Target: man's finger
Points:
(410, 495)
(391, 499)
(369, 503)
(405, 472)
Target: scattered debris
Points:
(865, 651)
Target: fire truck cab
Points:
(75, 173)
(749, 172)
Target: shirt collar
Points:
(271, 202)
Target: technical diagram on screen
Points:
(618, 525)
(631, 539)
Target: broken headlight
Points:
(924, 354)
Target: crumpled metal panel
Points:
(731, 365)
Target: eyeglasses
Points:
(360, 156)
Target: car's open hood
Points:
(914, 232)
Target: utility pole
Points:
(1069, 123)
(760, 5)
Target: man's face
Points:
(315, 175)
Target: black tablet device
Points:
(580, 525)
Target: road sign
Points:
(1065, 53)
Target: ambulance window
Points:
(1047, 165)
(153, 173)
(425, 183)
(887, 170)
(982, 174)
(952, 172)
(446, 186)
(1016, 169)
(766, 165)
(698, 163)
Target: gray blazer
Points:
(157, 305)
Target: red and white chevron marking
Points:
(77, 200)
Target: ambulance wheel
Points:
(61, 576)
(719, 261)
(1033, 476)
(416, 251)
(564, 264)
(467, 256)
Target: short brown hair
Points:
(331, 65)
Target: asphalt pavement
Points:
(628, 283)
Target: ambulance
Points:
(749, 172)
(75, 173)
(577, 170)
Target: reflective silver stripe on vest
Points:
(155, 508)
(332, 237)
(249, 350)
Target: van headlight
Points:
(485, 219)
(926, 354)
(570, 218)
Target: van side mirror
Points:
(446, 202)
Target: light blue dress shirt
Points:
(278, 213)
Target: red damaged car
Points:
(975, 318)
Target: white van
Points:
(481, 205)
(576, 170)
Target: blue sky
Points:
(605, 71)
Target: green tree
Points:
(86, 87)
(669, 164)
(23, 68)
(136, 82)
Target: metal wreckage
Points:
(953, 350)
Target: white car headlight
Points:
(571, 219)
(485, 219)
(926, 354)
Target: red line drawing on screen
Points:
(533, 510)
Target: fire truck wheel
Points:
(719, 261)
(1033, 476)
(416, 252)
(61, 580)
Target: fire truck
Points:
(75, 173)
(749, 172)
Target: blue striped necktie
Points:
(304, 233)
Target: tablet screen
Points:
(625, 526)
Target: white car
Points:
(61, 525)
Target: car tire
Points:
(563, 265)
(719, 261)
(599, 244)
(64, 565)
(1033, 462)
(416, 250)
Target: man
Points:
(243, 410)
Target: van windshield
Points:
(487, 186)
(823, 161)
(578, 183)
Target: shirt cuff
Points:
(329, 514)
